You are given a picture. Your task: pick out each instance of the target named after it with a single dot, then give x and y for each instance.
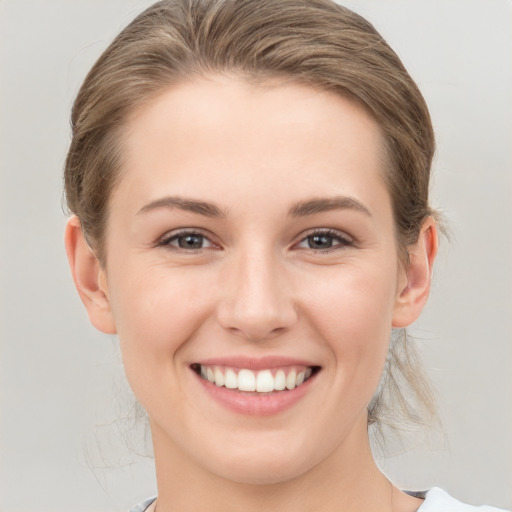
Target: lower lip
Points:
(253, 404)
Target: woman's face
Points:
(250, 242)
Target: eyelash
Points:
(343, 241)
(166, 241)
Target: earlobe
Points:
(89, 277)
(413, 295)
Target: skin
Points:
(257, 286)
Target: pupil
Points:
(191, 241)
(320, 241)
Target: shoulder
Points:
(438, 500)
(143, 505)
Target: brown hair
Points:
(313, 42)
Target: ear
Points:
(89, 277)
(415, 283)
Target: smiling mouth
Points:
(262, 381)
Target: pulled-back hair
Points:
(311, 42)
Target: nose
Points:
(257, 301)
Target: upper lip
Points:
(252, 363)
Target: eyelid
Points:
(344, 239)
(164, 241)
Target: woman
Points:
(251, 217)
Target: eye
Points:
(325, 240)
(186, 241)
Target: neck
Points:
(347, 480)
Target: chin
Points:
(263, 474)
(264, 467)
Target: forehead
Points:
(214, 133)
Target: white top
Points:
(436, 500)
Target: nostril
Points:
(261, 334)
(259, 309)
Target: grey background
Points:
(63, 404)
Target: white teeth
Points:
(231, 381)
(247, 380)
(219, 377)
(279, 380)
(291, 380)
(265, 381)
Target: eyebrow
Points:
(320, 205)
(301, 209)
(189, 205)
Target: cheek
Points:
(156, 311)
(353, 313)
